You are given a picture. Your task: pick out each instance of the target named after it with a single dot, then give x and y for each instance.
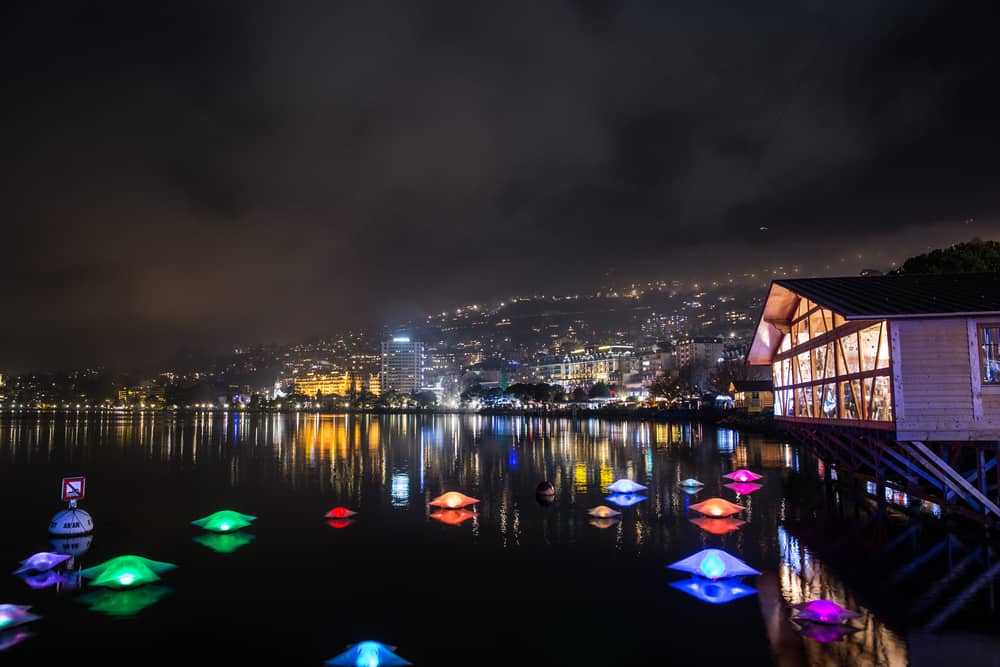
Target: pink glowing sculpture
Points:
(823, 632)
(718, 526)
(743, 475)
(453, 500)
(744, 488)
(717, 507)
(823, 611)
(340, 513)
(603, 512)
(453, 517)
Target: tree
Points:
(425, 399)
(600, 390)
(579, 395)
(669, 387)
(974, 256)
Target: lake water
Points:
(517, 582)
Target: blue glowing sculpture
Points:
(625, 486)
(625, 499)
(691, 483)
(713, 564)
(13, 615)
(38, 580)
(42, 561)
(714, 592)
(11, 638)
(368, 654)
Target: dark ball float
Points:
(546, 488)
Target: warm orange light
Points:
(453, 500)
(603, 512)
(717, 507)
(718, 526)
(603, 523)
(453, 517)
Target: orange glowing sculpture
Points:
(453, 500)
(718, 526)
(717, 507)
(453, 517)
(603, 523)
(340, 513)
(603, 512)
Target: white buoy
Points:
(70, 545)
(72, 521)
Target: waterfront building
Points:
(900, 374)
(754, 396)
(402, 365)
(585, 367)
(700, 351)
(339, 384)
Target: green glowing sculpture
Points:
(225, 521)
(126, 571)
(224, 543)
(124, 602)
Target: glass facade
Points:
(829, 368)
(989, 353)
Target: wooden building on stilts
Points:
(896, 378)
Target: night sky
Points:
(214, 174)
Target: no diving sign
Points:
(73, 488)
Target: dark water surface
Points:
(519, 583)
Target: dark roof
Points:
(753, 385)
(861, 297)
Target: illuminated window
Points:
(989, 353)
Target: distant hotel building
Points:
(402, 365)
(697, 351)
(585, 367)
(340, 384)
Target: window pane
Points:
(850, 393)
(804, 367)
(871, 346)
(881, 409)
(989, 354)
(828, 401)
(823, 361)
(848, 349)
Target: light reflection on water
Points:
(389, 467)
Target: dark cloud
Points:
(218, 173)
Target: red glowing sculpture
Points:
(340, 513)
(717, 507)
(718, 526)
(453, 500)
(339, 523)
(743, 475)
(453, 517)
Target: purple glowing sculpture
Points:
(713, 564)
(43, 560)
(823, 611)
(625, 486)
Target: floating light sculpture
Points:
(744, 488)
(368, 654)
(603, 512)
(339, 523)
(13, 615)
(718, 526)
(453, 500)
(743, 475)
(717, 507)
(225, 521)
(690, 483)
(625, 486)
(125, 602)
(44, 560)
(224, 543)
(823, 611)
(715, 592)
(603, 523)
(453, 517)
(126, 572)
(713, 564)
(625, 499)
(340, 513)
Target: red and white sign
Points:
(73, 488)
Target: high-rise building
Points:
(402, 365)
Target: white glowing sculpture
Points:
(625, 486)
(713, 564)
